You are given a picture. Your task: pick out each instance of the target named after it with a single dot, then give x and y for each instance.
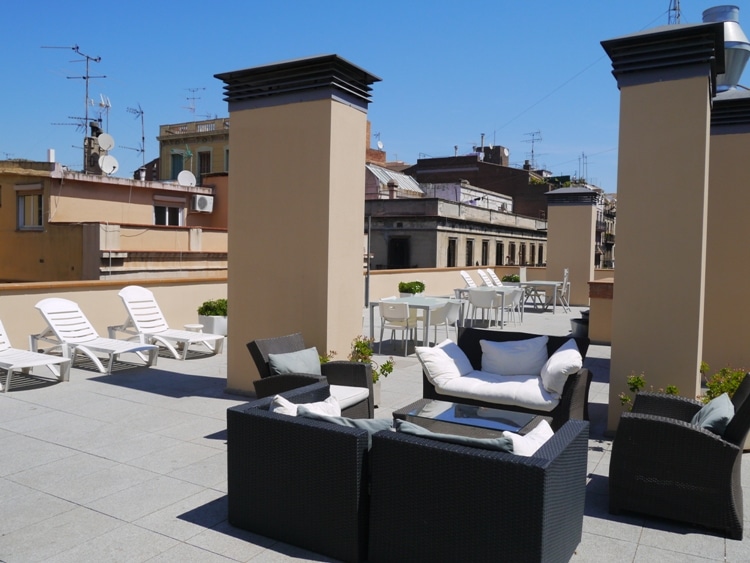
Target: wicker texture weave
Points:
(432, 501)
(298, 480)
(664, 466)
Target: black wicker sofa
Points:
(316, 485)
(573, 402)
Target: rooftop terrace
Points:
(132, 467)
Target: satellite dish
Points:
(108, 164)
(106, 142)
(186, 178)
(380, 145)
(506, 152)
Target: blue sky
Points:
(450, 70)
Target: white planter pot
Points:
(408, 294)
(213, 325)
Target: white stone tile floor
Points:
(132, 467)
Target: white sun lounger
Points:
(13, 360)
(146, 322)
(70, 330)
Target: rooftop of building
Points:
(132, 466)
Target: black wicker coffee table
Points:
(466, 420)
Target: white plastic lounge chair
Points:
(71, 331)
(468, 279)
(14, 359)
(486, 280)
(493, 276)
(147, 322)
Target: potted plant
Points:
(410, 288)
(212, 314)
(511, 279)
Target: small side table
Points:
(195, 327)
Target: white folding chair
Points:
(563, 292)
(445, 316)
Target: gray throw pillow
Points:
(371, 425)
(303, 361)
(503, 444)
(715, 415)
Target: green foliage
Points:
(362, 351)
(511, 278)
(411, 287)
(726, 380)
(636, 383)
(213, 308)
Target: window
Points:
(226, 160)
(541, 255)
(399, 252)
(499, 253)
(204, 164)
(532, 254)
(451, 260)
(165, 215)
(30, 207)
(485, 252)
(177, 165)
(470, 252)
(522, 254)
(511, 253)
(169, 210)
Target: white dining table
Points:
(554, 285)
(420, 302)
(501, 290)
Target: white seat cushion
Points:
(516, 390)
(348, 396)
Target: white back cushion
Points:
(519, 357)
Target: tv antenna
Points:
(674, 12)
(191, 99)
(138, 112)
(87, 59)
(536, 137)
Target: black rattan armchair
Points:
(664, 466)
(434, 501)
(352, 374)
(298, 480)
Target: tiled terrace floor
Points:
(132, 467)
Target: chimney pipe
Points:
(736, 45)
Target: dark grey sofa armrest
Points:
(670, 406)
(275, 384)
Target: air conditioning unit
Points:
(203, 203)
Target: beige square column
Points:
(726, 334)
(296, 205)
(571, 229)
(666, 80)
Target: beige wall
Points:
(178, 299)
(726, 336)
(295, 234)
(661, 226)
(570, 242)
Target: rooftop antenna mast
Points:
(674, 12)
(138, 112)
(536, 136)
(88, 59)
(191, 99)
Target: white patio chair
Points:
(16, 360)
(396, 316)
(493, 276)
(514, 304)
(69, 330)
(486, 280)
(146, 322)
(446, 316)
(468, 279)
(485, 300)
(533, 294)
(563, 292)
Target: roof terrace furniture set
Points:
(510, 370)
(317, 485)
